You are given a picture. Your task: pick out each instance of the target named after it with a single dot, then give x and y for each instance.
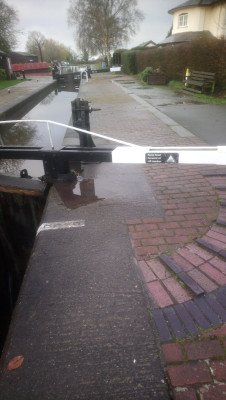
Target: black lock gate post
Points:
(80, 119)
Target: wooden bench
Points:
(199, 82)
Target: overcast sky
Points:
(50, 18)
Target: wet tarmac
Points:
(206, 121)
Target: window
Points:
(183, 20)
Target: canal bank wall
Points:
(21, 207)
(21, 202)
(15, 98)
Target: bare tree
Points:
(8, 20)
(103, 25)
(35, 43)
(53, 50)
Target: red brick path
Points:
(196, 370)
(190, 203)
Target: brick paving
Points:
(196, 369)
(188, 282)
(122, 117)
(182, 260)
(198, 269)
(182, 255)
(190, 204)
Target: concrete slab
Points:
(82, 322)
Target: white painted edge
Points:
(193, 155)
(49, 226)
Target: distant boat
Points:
(31, 68)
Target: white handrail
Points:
(157, 148)
(82, 72)
(132, 153)
(68, 127)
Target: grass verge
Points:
(216, 98)
(6, 84)
(176, 85)
(211, 99)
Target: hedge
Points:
(207, 55)
(129, 62)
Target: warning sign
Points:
(156, 158)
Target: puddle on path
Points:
(77, 194)
(179, 103)
(125, 82)
(144, 87)
(173, 103)
(115, 185)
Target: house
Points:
(195, 19)
(23, 57)
(147, 45)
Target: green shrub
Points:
(176, 84)
(2, 74)
(144, 74)
(206, 55)
(129, 62)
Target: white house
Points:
(194, 18)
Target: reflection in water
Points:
(56, 106)
(18, 134)
(10, 167)
(67, 87)
(13, 167)
(48, 99)
(77, 194)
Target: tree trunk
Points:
(40, 52)
(109, 57)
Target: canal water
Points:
(20, 214)
(55, 106)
